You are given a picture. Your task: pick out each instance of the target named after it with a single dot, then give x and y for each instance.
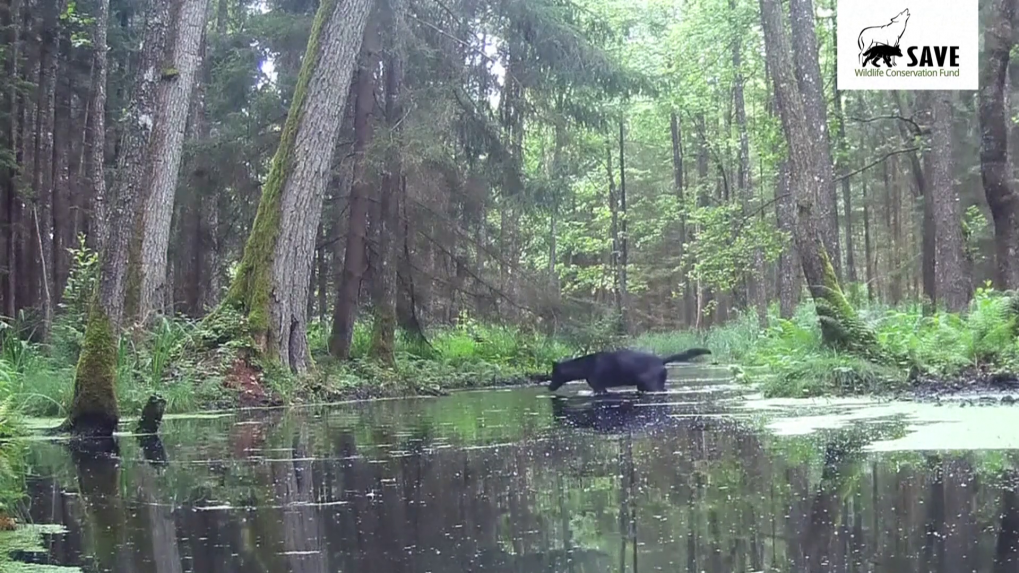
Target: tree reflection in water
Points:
(518, 481)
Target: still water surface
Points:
(513, 480)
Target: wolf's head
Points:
(901, 16)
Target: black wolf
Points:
(881, 52)
(613, 369)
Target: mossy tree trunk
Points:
(179, 74)
(384, 295)
(271, 285)
(94, 407)
(840, 325)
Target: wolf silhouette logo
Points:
(882, 42)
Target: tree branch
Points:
(914, 126)
(881, 159)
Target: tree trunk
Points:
(11, 203)
(789, 271)
(614, 230)
(624, 255)
(28, 263)
(384, 295)
(840, 326)
(677, 173)
(847, 196)
(808, 77)
(349, 285)
(167, 148)
(94, 408)
(272, 278)
(927, 230)
(45, 191)
(96, 131)
(868, 252)
(994, 166)
(952, 281)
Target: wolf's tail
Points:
(686, 356)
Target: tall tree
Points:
(167, 148)
(96, 120)
(94, 407)
(994, 166)
(840, 326)
(808, 76)
(384, 294)
(952, 281)
(271, 285)
(348, 282)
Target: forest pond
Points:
(701, 479)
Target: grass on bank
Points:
(789, 360)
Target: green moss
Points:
(841, 327)
(383, 328)
(170, 73)
(251, 289)
(94, 382)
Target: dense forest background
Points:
(551, 164)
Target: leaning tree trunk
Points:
(272, 279)
(840, 325)
(94, 408)
(808, 76)
(994, 167)
(166, 151)
(384, 294)
(951, 280)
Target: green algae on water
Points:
(29, 538)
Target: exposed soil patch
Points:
(247, 382)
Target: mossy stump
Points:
(94, 409)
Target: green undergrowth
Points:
(789, 360)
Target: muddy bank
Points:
(973, 385)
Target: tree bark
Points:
(790, 274)
(952, 284)
(28, 263)
(43, 177)
(273, 276)
(994, 166)
(624, 251)
(808, 77)
(11, 203)
(96, 131)
(677, 172)
(840, 326)
(617, 291)
(94, 407)
(868, 252)
(167, 149)
(384, 295)
(349, 285)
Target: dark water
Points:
(514, 481)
